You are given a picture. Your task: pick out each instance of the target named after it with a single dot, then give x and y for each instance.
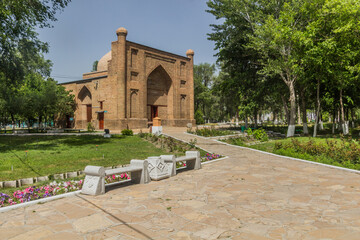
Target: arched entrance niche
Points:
(158, 94)
(86, 103)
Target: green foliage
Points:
(127, 132)
(199, 117)
(275, 54)
(59, 154)
(90, 127)
(345, 152)
(211, 132)
(95, 65)
(172, 145)
(26, 92)
(258, 134)
(207, 100)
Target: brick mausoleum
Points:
(132, 85)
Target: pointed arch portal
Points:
(84, 92)
(159, 93)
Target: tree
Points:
(232, 37)
(18, 20)
(95, 64)
(21, 51)
(290, 51)
(204, 75)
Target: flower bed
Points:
(37, 192)
(206, 158)
(52, 189)
(211, 132)
(116, 178)
(210, 157)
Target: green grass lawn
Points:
(33, 156)
(321, 153)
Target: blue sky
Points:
(85, 29)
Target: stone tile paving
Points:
(247, 196)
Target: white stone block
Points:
(59, 176)
(27, 181)
(42, 179)
(10, 184)
(143, 176)
(94, 183)
(193, 164)
(157, 168)
(170, 161)
(156, 130)
(71, 174)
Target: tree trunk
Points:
(246, 121)
(274, 117)
(298, 113)
(291, 126)
(344, 126)
(352, 118)
(333, 125)
(237, 117)
(255, 118)
(286, 110)
(13, 121)
(318, 108)
(304, 117)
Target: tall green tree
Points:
(21, 51)
(204, 76)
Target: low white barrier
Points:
(142, 171)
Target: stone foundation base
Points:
(133, 123)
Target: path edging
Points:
(43, 200)
(291, 158)
(211, 138)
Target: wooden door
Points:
(89, 112)
(101, 120)
(68, 121)
(154, 112)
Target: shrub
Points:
(199, 117)
(90, 127)
(141, 134)
(258, 134)
(211, 132)
(127, 132)
(344, 152)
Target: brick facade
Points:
(133, 84)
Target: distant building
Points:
(132, 85)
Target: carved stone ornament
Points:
(157, 168)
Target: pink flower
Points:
(122, 175)
(113, 177)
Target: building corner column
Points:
(121, 73)
(190, 54)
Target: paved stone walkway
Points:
(247, 196)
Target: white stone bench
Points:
(22, 131)
(55, 131)
(94, 183)
(192, 159)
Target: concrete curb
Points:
(185, 142)
(211, 138)
(215, 160)
(291, 158)
(48, 199)
(43, 200)
(219, 159)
